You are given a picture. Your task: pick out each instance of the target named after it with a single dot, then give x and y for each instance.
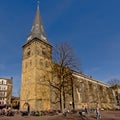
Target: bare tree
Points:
(114, 81)
(115, 85)
(64, 64)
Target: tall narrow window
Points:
(43, 51)
(41, 62)
(28, 52)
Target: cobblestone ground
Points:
(111, 115)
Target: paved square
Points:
(110, 115)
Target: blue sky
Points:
(92, 27)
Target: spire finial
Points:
(38, 3)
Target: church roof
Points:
(37, 30)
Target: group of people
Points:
(84, 111)
(6, 112)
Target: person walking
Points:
(98, 115)
(65, 111)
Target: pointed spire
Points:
(37, 30)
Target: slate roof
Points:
(37, 30)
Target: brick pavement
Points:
(111, 115)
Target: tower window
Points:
(43, 51)
(41, 62)
(46, 64)
(28, 52)
(30, 62)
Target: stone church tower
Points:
(36, 57)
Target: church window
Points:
(30, 62)
(41, 62)
(28, 52)
(46, 64)
(43, 51)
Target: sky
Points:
(91, 27)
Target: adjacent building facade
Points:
(5, 91)
(36, 93)
(15, 102)
(116, 88)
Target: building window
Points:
(28, 52)
(46, 64)
(1, 94)
(4, 88)
(41, 62)
(2, 82)
(30, 62)
(43, 51)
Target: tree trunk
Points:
(61, 100)
(64, 100)
(73, 101)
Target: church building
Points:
(36, 57)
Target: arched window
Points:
(43, 51)
(28, 51)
